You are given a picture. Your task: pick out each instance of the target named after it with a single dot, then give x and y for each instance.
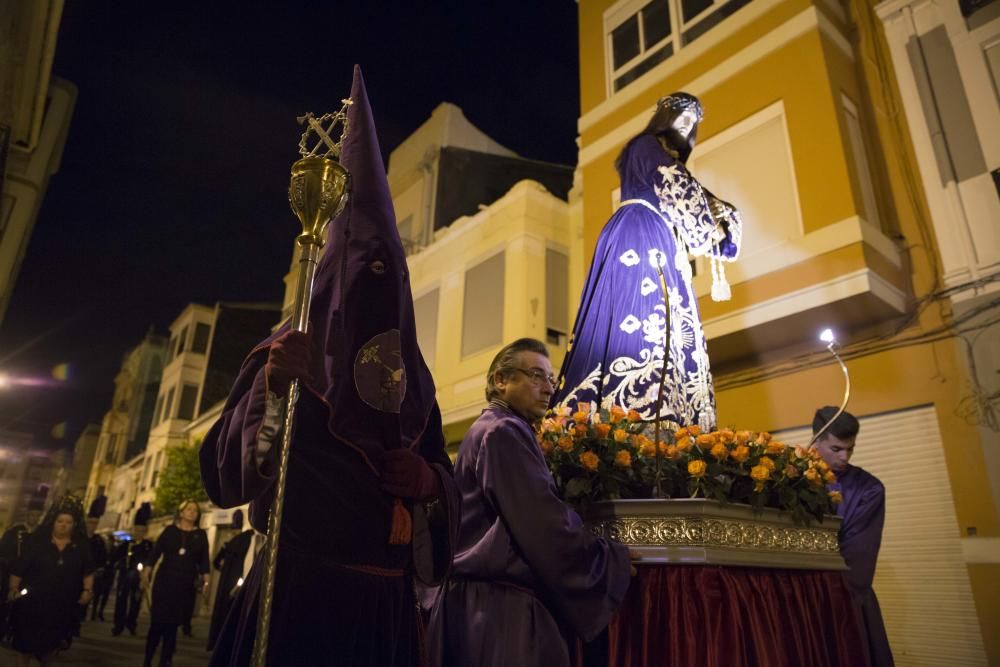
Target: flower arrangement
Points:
(609, 454)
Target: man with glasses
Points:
(527, 579)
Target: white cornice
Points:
(801, 23)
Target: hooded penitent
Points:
(370, 372)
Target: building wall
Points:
(855, 252)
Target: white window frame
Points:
(622, 11)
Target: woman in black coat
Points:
(51, 582)
(183, 547)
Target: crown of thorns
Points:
(681, 102)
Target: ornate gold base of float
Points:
(697, 531)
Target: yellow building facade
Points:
(804, 132)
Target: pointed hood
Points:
(369, 369)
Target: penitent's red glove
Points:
(405, 474)
(289, 358)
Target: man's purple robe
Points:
(343, 593)
(528, 576)
(863, 512)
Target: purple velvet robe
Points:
(863, 512)
(528, 576)
(343, 593)
(616, 352)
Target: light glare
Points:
(826, 336)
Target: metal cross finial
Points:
(323, 138)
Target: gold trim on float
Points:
(706, 532)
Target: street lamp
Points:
(830, 339)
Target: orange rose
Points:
(602, 430)
(671, 452)
(694, 429)
(801, 452)
(822, 465)
(682, 432)
(760, 474)
(720, 452)
(767, 463)
(583, 407)
(727, 436)
(741, 453)
(589, 461)
(621, 435)
(633, 416)
(580, 417)
(623, 458)
(616, 414)
(774, 448)
(836, 498)
(546, 446)
(565, 443)
(742, 437)
(646, 448)
(684, 444)
(696, 468)
(813, 476)
(791, 472)
(580, 431)
(829, 477)
(762, 438)
(705, 440)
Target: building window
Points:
(181, 342)
(200, 342)
(556, 297)
(642, 34)
(857, 138)
(425, 315)
(156, 469)
(189, 395)
(171, 349)
(482, 309)
(158, 410)
(145, 471)
(168, 404)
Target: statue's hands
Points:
(289, 358)
(405, 474)
(719, 209)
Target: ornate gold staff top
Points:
(317, 193)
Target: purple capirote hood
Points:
(368, 369)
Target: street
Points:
(97, 648)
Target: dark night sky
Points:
(173, 183)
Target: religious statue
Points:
(638, 301)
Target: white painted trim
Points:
(832, 32)
(858, 282)
(800, 24)
(463, 412)
(723, 31)
(468, 384)
(745, 126)
(791, 29)
(793, 251)
(981, 549)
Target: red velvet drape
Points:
(709, 616)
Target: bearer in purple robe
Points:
(369, 502)
(528, 578)
(863, 512)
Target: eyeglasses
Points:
(537, 377)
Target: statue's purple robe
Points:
(616, 350)
(343, 594)
(528, 577)
(863, 512)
